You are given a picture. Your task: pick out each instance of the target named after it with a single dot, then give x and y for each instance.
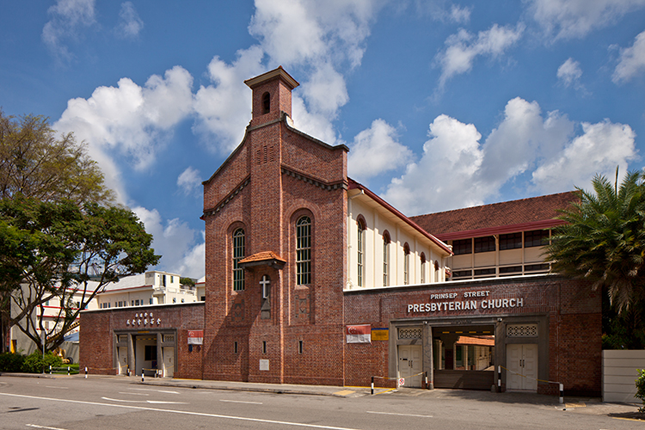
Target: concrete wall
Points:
(619, 373)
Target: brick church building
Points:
(311, 278)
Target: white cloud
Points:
(224, 108)
(632, 60)
(456, 171)
(174, 241)
(440, 10)
(130, 25)
(67, 17)
(600, 148)
(129, 119)
(189, 181)
(463, 47)
(443, 177)
(375, 151)
(569, 73)
(576, 18)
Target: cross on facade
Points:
(265, 283)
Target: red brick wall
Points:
(97, 335)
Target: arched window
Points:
(386, 258)
(361, 253)
(238, 254)
(303, 251)
(423, 268)
(266, 103)
(406, 264)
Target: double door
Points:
(521, 361)
(410, 364)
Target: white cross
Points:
(265, 286)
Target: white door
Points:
(168, 362)
(521, 361)
(410, 365)
(123, 360)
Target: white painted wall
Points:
(619, 373)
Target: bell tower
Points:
(271, 95)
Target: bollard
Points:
(68, 371)
(142, 372)
(85, 372)
(50, 369)
(372, 385)
(561, 393)
(499, 379)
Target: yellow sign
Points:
(380, 334)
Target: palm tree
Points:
(603, 240)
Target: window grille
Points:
(522, 330)
(303, 251)
(410, 333)
(238, 255)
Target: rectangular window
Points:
(536, 267)
(150, 300)
(406, 268)
(386, 262)
(300, 347)
(264, 347)
(510, 241)
(481, 272)
(510, 269)
(536, 238)
(235, 347)
(462, 274)
(238, 255)
(423, 272)
(462, 246)
(360, 252)
(484, 244)
(303, 251)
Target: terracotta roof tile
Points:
(262, 256)
(506, 214)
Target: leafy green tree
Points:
(35, 162)
(603, 240)
(187, 281)
(64, 252)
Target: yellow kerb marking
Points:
(344, 392)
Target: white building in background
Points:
(200, 289)
(150, 288)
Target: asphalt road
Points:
(117, 403)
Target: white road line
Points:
(156, 391)
(44, 427)
(60, 388)
(239, 401)
(159, 402)
(124, 401)
(133, 394)
(402, 415)
(172, 411)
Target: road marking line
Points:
(124, 401)
(143, 401)
(174, 411)
(156, 391)
(239, 401)
(403, 415)
(44, 427)
(60, 388)
(133, 394)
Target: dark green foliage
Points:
(10, 362)
(187, 281)
(34, 363)
(640, 388)
(604, 239)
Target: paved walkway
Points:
(587, 405)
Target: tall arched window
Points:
(361, 253)
(266, 103)
(423, 268)
(386, 258)
(303, 251)
(238, 254)
(406, 264)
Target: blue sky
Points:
(442, 104)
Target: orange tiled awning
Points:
(264, 258)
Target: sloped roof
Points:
(269, 258)
(505, 217)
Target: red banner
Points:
(359, 333)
